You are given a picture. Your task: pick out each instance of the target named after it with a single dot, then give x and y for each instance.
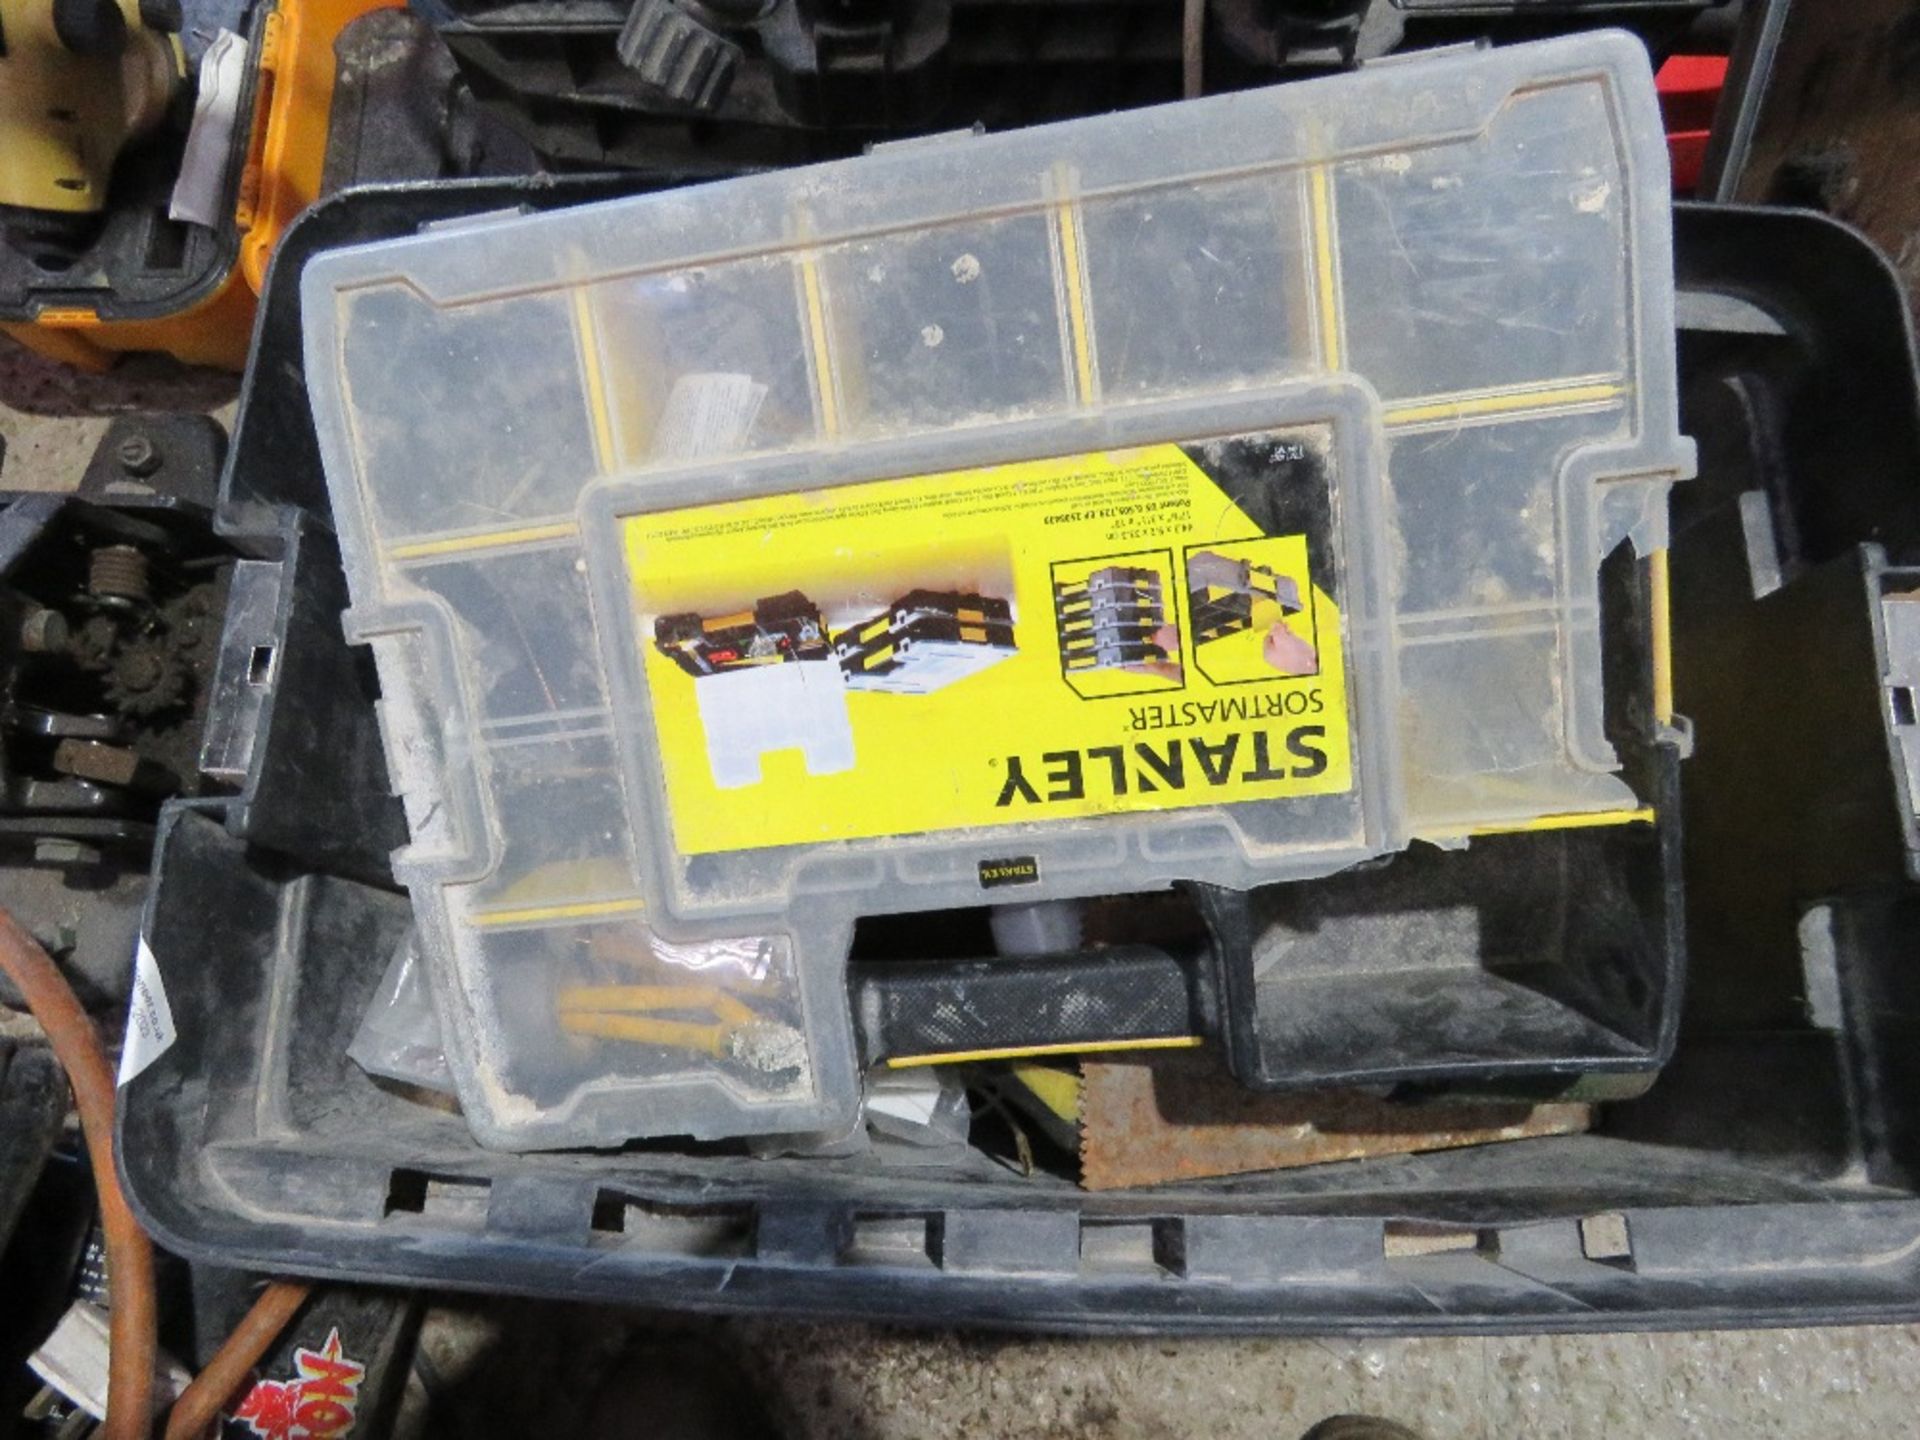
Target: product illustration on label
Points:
(768, 679)
(874, 659)
(1117, 625)
(1252, 609)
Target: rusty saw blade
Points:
(1182, 1117)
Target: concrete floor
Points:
(858, 1382)
(866, 1383)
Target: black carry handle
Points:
(929, 1012)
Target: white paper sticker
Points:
(73, 1360)
(907, 1095)
(199, 195)
(708, 414)
(149, 1018)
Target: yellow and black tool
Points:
(79, 79)
(703, 1018)
(1121, 997)
(94, 119)
(1110, 618)
(1225, 595)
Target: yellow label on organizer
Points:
(1118, 632)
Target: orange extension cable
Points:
(132, 1306)
(132, 1310)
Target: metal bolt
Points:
(137, 455)
(117, 572)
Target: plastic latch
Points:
(1677, 732)
(246, 200)
(1899, 637)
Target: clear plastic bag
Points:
(399, 1036)
(923, 1106)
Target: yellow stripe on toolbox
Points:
(485, 540)
(1578, 820)
(1071, 1047)
(822, 356)
(1662, 637)
(1517, 400)
(596, 379)
(1326, 268)
(574, 910)
(1077, 318)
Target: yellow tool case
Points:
(93, 263)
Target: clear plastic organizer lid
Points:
(1215, 491)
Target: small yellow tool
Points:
(702, 1018)
(78, 80)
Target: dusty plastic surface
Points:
(1401, 342)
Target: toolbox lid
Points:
(1214, 492)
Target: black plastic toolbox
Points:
(1769, 1177)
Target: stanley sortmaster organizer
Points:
(1379, 368)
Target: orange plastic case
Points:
(209, 320)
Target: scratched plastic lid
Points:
(1212, 492)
